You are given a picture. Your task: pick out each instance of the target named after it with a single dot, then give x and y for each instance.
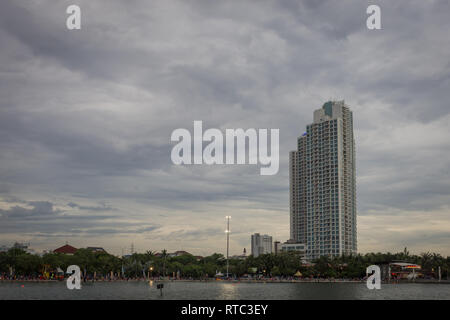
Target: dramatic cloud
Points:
(86, 118)
(38, 209)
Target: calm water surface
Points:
(221, 290)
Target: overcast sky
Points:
(86, 118)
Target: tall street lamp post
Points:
(228, 239)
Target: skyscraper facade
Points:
(322, 184)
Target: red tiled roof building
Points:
(66, 249)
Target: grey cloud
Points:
(92, 232)
(88, 115)
(44, 220)
(39, 209)
(195, 234)
(91, 208)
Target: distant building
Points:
(242, 256)
(299, 247)
(276, 247)
(178, 253)
(261, 244)
(96, 249)
(66, 249)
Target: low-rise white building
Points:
(300, 247)
(291, 246)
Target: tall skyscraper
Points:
(261, 244)
(322, 184)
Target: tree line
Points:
(285, 264)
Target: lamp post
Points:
(228, 239)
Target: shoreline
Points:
(227, 281)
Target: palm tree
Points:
(164, 256)
(150, 254)
(406, 253)
(426, 260)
